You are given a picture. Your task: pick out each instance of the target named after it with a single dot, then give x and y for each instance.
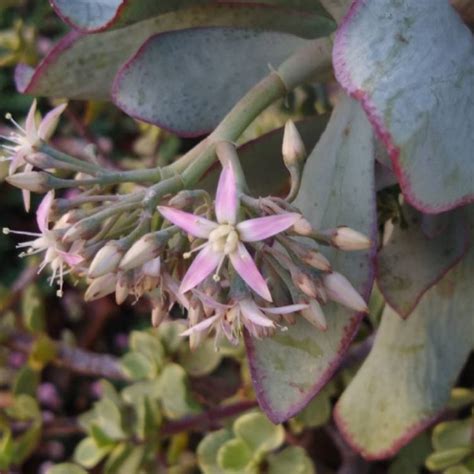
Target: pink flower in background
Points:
(48, 241)
(24, 140)
(229, 319)
(226, 237)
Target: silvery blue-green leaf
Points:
(190, 96)
(406, 380)
(84, 66)
(97, 15)
(411, 65)
(410, 263)
(290, 368)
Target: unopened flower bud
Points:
(37, 182)
(41, 160)
(143, 250)
(158, 314)
(293, 149)
(302, 227)
(82, 230)
(100, 287)
(309, 256)
(315, 315)
(106, 259)
(304, 282)
(345, 238)
(185, 199)
(122, 288)
(339, 289)
(152, 268)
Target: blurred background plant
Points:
(89, 387)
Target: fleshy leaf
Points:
(97, 15)
(293, 366)
(190, 96)
(405, 382)
(411, 263)
(416, 101)
(259, 434)
(84, 66)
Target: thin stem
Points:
(64, 157)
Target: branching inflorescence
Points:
(257, 263)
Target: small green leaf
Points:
(110, 418)
(6, 449)
(134, 393)
(33, 309)
(208, 448)
(109, 391)
(258, 432)
(42, 352)
(24, 408)
(443, 459)
(201, 361)
(460, 398)
(66, 468)
(116, 458)
(88, 453)
(132, 462)
(291, 460)
(235, 455)
(137, 366)
(458, 470)
(100, 438)
(148, 418)
(169, 333)
(26, 382)
(317, 412)
(148, 345)
(175, 397)
(452, 434)
(412, 457)
(25, 444)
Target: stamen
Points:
(10, 118)
(187, 255)
(7, 231)
(216, 276)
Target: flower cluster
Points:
(257, 264)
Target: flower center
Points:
(224, 239)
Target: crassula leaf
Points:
(405, 382)
(411, 65)
(190, 96)
(411, 263)
(291, 367)
(97, 15)
(84, 66)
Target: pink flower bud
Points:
(106, 260)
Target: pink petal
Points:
(50, 122)
(246, 268)
(30, 124)
(26, 199)
(261, 228)
(18, 159)
(250, 311)
(211, 302)
(71, 259)
(227, 202)
(292, 308)
(202, 326)
(194, 225)
(204, 264)
(42, 212)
